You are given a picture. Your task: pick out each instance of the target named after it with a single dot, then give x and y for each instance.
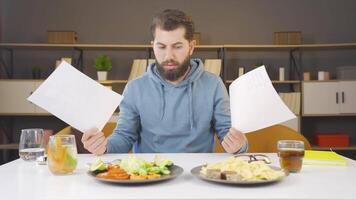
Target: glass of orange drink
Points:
(62, 154)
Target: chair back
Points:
(265, 140)
(218, 147)
(108, 130)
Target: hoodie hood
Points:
(196, 71)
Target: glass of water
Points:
(31, 147)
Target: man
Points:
(176, 106)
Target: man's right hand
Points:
(94, 141)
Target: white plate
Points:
(196, 172)
(175, 172)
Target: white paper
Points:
(254, 102)
(76, 99)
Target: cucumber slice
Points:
(98, 166)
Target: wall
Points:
(220, 22)
(225, 21)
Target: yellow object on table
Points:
(326, 158)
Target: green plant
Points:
(36, 72)
(103, 63)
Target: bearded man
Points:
(176, 106)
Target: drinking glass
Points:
(291, 153)
(62, 154)
(31, 145)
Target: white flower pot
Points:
(102, 75)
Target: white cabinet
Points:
(13, 97)
(348, 96)
(329, 98)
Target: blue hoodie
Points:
(158, 116)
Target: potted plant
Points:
(102, 65)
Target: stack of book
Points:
(292, 100)
(138, 68)
(213, 66)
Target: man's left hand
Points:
(233, 141)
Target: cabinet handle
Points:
(342, 97)
(337, 98)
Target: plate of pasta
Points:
(237, 171)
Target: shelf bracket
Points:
(79, 62)
(221, 55)
(294, 65)
(7, 129)
(9, 70)
(149, 53)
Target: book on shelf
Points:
(138, 68)
(324, 158)
(292, 100)
(213, 66)
(150, 61)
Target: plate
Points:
(196, 172)
(175, 172)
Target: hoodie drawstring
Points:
(190, 104)
(163, 102)
(191, 115)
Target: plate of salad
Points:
(134, 170)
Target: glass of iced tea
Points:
(62, 154)
(291, 153)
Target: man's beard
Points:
(173, 74)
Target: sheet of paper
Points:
(75, 98)
(254, 102)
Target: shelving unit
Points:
(10, 47)
(273, 81)
(294, 51)
(335, 148)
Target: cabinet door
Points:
(347, 89)
(321, 98)
(39, 110)
(14, 97)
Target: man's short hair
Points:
(170, 20)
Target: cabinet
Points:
(14, 95)
(329, 98)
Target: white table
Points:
(26, 180)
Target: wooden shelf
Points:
(329, 115)
(9, 146)
(274, 82)
(71, 46)
(335, 148)
(317, 81)
(26, 114)
(288, 47)
(109, 82)
(140, 46)
(90, 46)
(286, 82)
(106, 82)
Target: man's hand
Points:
(94, 141)
(233, 141)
